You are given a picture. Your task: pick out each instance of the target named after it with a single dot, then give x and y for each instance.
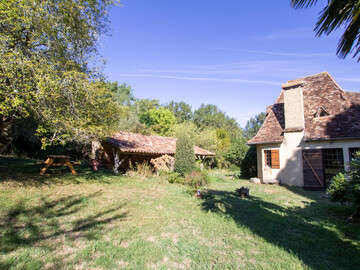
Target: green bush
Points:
(346, 187)
(173, 177)
(197, 179)
(184, 156)
(248, 167)
(337, 188)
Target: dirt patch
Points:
(125, 244)
(151, 239)
(173, 236)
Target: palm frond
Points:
(302, 3)
(341, 14)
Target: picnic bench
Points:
(60, 161)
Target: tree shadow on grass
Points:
(25, 172)
(43, 225)
(302, 231)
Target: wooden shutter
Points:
(275, 159)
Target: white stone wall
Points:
(290, 151)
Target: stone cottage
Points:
(309, 134)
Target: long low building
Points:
(125, 148)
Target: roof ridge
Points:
(314, 75)
(305, 77)
(151, 135)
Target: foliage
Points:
(173, 177)
(211, 116)
(248, 164)
(182, 110)
(184, 156)
(143, 170)
(197, 179)
(223, 139)
(186, 127)
(123, 93)
(159, 120)
(253, 125)
(144, 105)
(338, 14)
(207, 139)
(248, 167)
(237, 152)
(345, 187)
(47, 54)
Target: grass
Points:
(104, 221)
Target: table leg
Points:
(49, 161)
(70, 166)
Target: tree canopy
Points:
(48, 67)
(338, 14)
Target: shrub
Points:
(197, 179)
(141, 170)
(248, 167)
(184, 156)
(173, 177)
(337, 187)
(346, 187)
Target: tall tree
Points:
(48, 52)
(338, 14)
(182, 110)
(143, 105)
(253, 125)
(159, 120)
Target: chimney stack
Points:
(293, 106)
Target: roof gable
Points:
(320, 94)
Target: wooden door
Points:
(313, 168)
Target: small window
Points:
(321, 112)
(272, 159)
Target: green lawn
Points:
(99, 220)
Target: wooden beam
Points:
(117, 161)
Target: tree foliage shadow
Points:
(302, 231)
(25, 172)
(40, 226)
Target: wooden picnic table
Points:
(60, 161)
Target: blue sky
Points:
(234, 54)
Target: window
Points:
(321, 112)
(272, 159)
(333, 163)
(352, 152)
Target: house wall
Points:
(344, 144)
(291, 163)
(264, 172)
(291, 168)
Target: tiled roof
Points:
(274, 124)
(319, 91)
(129, 142)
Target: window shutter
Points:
(275, 160)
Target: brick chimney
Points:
(293, 106)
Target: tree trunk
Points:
(5, 138)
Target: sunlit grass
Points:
(106, 221)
